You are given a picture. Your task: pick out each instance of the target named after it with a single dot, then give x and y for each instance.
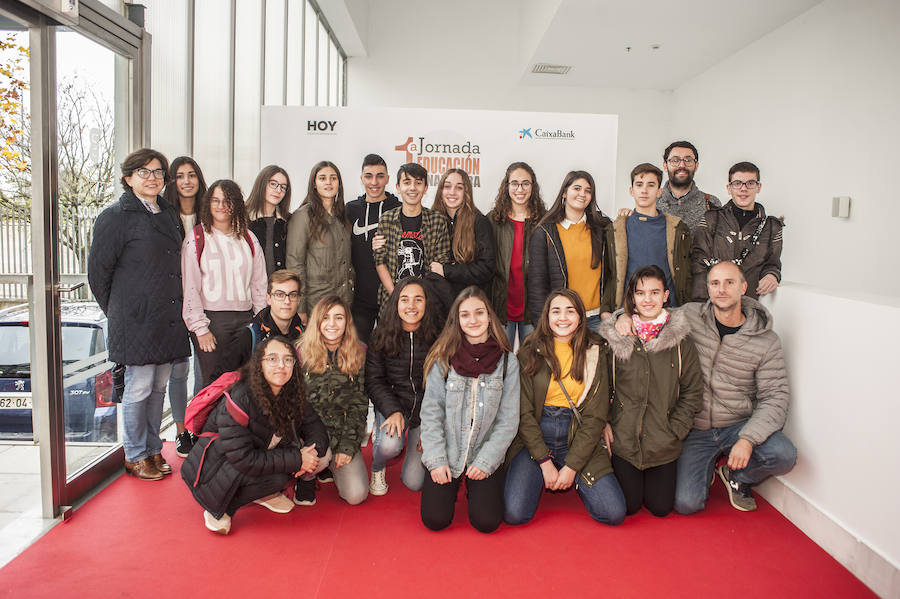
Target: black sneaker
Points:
(183, 444)
(305, 492)
(739, 494)
(325, 476)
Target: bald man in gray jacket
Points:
(745, 400)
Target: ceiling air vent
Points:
(551, 69)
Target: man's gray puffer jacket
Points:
(744, 374)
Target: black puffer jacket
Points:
(547, 268)
(278, 241)
(134, 271)
(395, 383)
(216, 467)
(480, 271)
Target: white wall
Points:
(815, 105)
(476, 64)
(843, 420)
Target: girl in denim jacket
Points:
(470, 414)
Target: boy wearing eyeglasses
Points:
(646, 236)
(279, 317)
(739, 232)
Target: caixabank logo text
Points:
(546, 134)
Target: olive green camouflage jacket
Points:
(341, 403)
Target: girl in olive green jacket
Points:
(658, 389)
(564, 405)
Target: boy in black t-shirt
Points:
(414, 236)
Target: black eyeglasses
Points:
(751, 184)
(146, 173)
(276, 186)
(688, 161)
(281, 295)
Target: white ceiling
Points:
(592, 36)
(692, 35)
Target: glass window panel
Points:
(213, 88)
(248, 73)
(274, 41)
(322, 63)
(294, 80)
(310, 29)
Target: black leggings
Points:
(485, 499)
(653, 487)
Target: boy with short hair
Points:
(647, 236)
(279, 317)
(414, 236)
(363, 213)
(739, 232)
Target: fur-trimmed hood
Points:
(669, 336)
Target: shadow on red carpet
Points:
(147, 539)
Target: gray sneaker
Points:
(739, 494)
(378, 485)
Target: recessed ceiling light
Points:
(544, 68)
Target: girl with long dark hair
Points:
(469, 414)
(261, 435)
(395, 360)
(184, 191)
(571, 248)
(472, 244)
(518, 208)
(318, 244)
(269, 209)
(565, 400)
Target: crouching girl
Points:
(260, 436)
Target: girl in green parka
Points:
(658, 390)
(333, 361)
(564, 404)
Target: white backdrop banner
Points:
(482, 142)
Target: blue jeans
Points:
(517, 328)
(525, 481)
(593, 322)
(701, 450)
(142, 404)
(386, 448)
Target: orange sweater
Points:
(584, 280)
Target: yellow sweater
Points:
(555, 395)
(584, 280)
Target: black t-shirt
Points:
(726, 330)
(743, 216)
(411, 251)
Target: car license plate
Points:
(15, 401)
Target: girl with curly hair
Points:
(261, 435)
(223, 274)
(407, 326)
(333, 360)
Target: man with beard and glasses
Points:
(680, 196)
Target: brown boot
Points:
(143, 470)
(161, 465)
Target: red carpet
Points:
(147, 539)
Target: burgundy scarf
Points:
(473, 360)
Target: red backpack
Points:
(199, 408)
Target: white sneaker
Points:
(378, 485)
(220, 526)
(276, 502)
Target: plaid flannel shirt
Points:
(435, 234)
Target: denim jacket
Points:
(469, 421)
